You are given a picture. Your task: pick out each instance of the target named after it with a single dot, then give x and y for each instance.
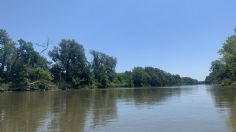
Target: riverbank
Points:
(4, 87)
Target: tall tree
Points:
(7, 52)
(70, 62)
(229, 55)
(29, 67)
(103, 67)
(223, 71)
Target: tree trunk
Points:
(3, 64)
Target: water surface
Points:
(184, 109)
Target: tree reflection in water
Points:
(225, 99)
(73, 110)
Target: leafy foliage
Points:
(103, 67)
(70, 63)
(24, 68)
(223, 71)
(151, 77)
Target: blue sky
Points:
(178, 36)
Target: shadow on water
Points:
(72, 110)
(225, 100)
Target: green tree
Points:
(103, 67)
(139, 76)
(123, 80)
(229, 56)
(26, 56)
(150, 76)
(29, 67)
(189, 81)
(223, 71)
(70, 63)
(7, 53)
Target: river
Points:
(198, 108)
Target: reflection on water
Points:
(186, 108)
(225, 100)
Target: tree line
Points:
(223, 70)
(151, 77)
(24, 68)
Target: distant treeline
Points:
(152, 77)
(24, 68)
(223, 70)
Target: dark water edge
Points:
(179, 108)
(55, 88)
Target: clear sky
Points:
(178, 36)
